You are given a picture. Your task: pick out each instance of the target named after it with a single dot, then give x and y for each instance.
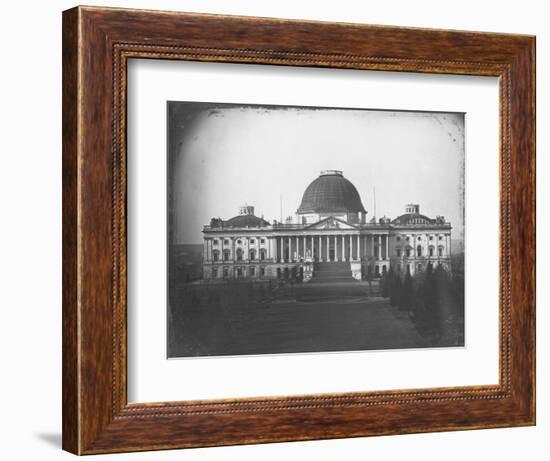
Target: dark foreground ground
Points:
(241, 318)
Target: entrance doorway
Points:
(331, 256)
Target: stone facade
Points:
(247, 247)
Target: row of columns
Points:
(290, 248)
(351, 246)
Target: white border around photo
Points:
(151, 377)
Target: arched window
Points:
(384, 270)
(419, 250)
(239, 254)
(398, 252)
(419, 267)
(252, 254)
(226, 254)
(252, 271)
(408, 252)
(440, 251)
(377, 271)
(214, 272)
(431, 251)
(262, 254)
(226, 271)
(216, 255)
(262, 271)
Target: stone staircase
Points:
(332, 272)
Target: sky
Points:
(222, 156)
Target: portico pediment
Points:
(331, 223)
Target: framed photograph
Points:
(281, 230)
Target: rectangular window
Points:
(398, 251)
(215, 273)
(262, 241)
(262, 271)
(252, 271)
(252, 241)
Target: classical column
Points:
(290, 252)
(312, 245)
(328, 249)
(304, 246)
(346, 258)
(387, 247)
(359, 247)
(320, 249)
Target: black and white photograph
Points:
(313, 229)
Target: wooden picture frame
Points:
(97, 43)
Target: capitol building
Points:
(329, 231)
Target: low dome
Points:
(413, 218)
(245, 220)
(331, 193)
